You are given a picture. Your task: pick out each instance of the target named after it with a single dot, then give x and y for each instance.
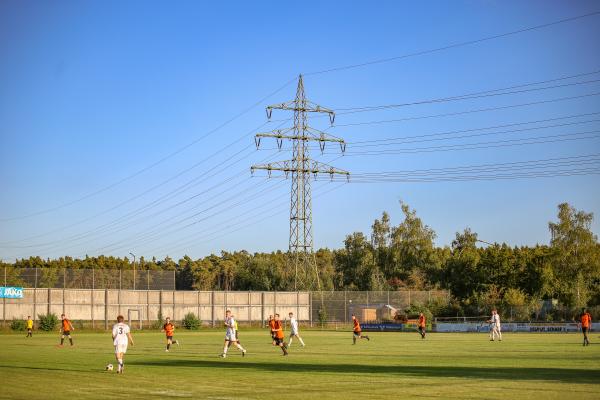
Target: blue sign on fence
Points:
(382, 327)
(11, 292)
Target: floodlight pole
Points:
(133, 269)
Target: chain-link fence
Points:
(53, 278)
(370, 306)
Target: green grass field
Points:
(391, 365)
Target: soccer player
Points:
(121, 337)
(65, 328)
(586, 323)
(237, 332)
(271, 324)
(230, 336)
(278, 334)
(357, 331)
(29, 326)
(495, 329)
(422, 324)
(168, 329)
(294, 330)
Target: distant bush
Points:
(191, 322)
(414, 309)
(18, 325)
(48, 322)
(322, 314)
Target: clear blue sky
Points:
(93, 92)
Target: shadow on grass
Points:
(49, 368)
(500, 373)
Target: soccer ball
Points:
(109, 367)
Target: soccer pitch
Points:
(391, 365)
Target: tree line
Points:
(478, 275)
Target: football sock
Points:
(225, 349)
(300, 339)
(71, 341)
(291, 340)
(168, 346)
(62, 341)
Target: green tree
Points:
(576, 257)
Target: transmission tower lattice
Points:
(302, 259)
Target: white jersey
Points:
(230, 327)
(120, 332)
(294, 325)
(496, 320)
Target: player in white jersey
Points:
(230, 335)
(294, 330)
(495, 328)
(121, 337)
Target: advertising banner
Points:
(11, 292)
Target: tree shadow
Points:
(567, 375)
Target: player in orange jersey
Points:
(422, 324)
(278, 334)
(586, 324)
(271, 324)
(357, 331)
(65, 329)
(168, 329)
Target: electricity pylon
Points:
(300, 167)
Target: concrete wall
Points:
(101, 306)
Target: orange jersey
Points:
(272, 324)
(278, 328)
(169, 328)
(422, 321)
(66, 325)
(356, 326)
(586, 319)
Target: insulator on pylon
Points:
(279, 143)
(331, 118)
(257, 142)
(322, 146)
(269, 112)
(251, 170)
(343, 147)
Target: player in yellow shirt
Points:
(29, 326)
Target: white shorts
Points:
(231, 337)
(120, 348)
(294, 333)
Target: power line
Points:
(451, 114)
(390, 139)
(433, 139)
(251, 221)
(452, 46)
(400, 140)
(483, 145)
(539, 163)
(124, 221)
(160, 161)
(476, 95)
(162, 199)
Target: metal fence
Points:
(338, 307)
(67, 278)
